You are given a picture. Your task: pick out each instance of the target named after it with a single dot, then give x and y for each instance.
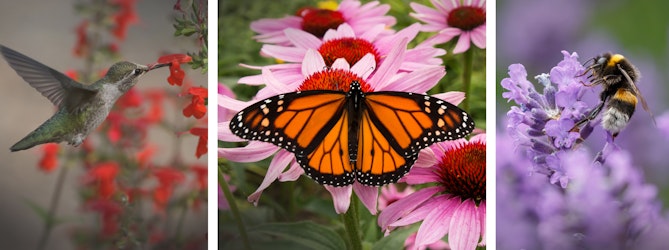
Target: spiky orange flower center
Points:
(351, 49)
(462, 171)
(335, 79)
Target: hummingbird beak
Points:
(158, 65)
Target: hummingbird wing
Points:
(52, 84)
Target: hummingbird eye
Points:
(137, 71)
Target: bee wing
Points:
(644, 104)
(52, 84)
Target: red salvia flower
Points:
(114, 120)
(124, 17)
(176, 73)
(144, 155)
(49, 160)
(180, 58)
(113, 48)
(132, 98)
(167, 178)
(155, 113)
(81, 47)
(202, 142)
(109, 211)
(72, 74)
(104, 175)
(197, 107)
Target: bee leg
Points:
(592, 115)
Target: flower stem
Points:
(180, 221)
(467, 76)
(233, 208)
(50, 220)
(351, 223)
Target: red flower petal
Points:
(196, 108)
(168, 176)
(106, 171)
(130, 99)
(202, 142)
(124, 17)
(176, 74)
(108, 211)
(198, 91)
(81, 48)
(49, 161)
(179, 58)
(144, 156)
(72, 74)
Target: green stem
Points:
(292, 201)
(467, 76)
(233, 208)
(351, 222)
(50, 220)
(180, 221)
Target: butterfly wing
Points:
(395, 126)
(329, 162)
(311, 124)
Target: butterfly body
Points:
(339, 137)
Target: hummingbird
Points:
(81, 108)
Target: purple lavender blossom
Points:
(605, 206)
(543, 123)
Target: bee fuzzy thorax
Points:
(615, 59)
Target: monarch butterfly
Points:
(338, 137)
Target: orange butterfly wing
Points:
(311, 124)
(395, 126)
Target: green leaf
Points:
(43, 214)
(40, 211)
(188, 31)
(302, 235)
(395, 240)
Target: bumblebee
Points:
(620, 94)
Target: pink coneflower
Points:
(410, 244)
(223, 113)
(390, 194)
(452, 18)
(343, 42)
(455, 205)
(317, 21)
(337, 77)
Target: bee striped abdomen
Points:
(620, 108)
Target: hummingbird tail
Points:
(23, 144)
(35, 138)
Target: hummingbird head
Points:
(125, 74)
